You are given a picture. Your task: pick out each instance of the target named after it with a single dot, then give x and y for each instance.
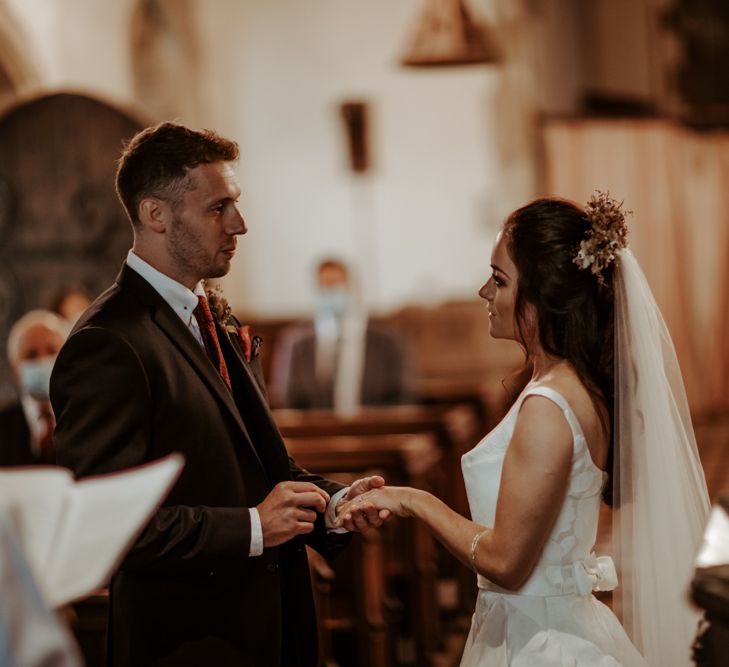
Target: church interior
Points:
(395, 138)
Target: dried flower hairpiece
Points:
(607, 236)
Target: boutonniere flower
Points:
(220, 309)
(218, 303)
(250, 344)
(244, 333)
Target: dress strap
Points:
(552, 394)
(557, 398)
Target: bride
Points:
(604, 415)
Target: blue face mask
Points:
(333, 301)
(35, 377)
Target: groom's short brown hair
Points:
(156, 162)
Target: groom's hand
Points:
(290, 510)
(366, 517)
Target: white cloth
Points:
(350, 369)
(340, 356)
(553, 619)
(30, 634)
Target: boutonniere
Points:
(251, 344)
(217, 302)
(222, 311)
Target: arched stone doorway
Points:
(60, 221)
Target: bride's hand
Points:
(369, 519)
(385, 501)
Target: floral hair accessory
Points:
(607, 236)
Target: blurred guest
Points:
(70, 303)
(341, 360)
(27, 424)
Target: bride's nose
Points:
(487, 291)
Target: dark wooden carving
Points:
(60, 221)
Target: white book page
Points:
(102, 518)
(715, 548)
(34, 499)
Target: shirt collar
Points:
(182, 300)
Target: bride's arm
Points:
(533, 485)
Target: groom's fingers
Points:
(289, 510)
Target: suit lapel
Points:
(180, 336)
(256, 405)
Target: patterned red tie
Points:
(204, 318)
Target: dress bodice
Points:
(566, 564)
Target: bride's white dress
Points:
(553, 619)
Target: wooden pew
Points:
(402, 551)
(456, 428)
(490, 395)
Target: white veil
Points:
(660, 494)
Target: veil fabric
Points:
(661, 500)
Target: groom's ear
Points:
(154, 214)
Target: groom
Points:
(219, 576)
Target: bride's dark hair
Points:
(574, 311)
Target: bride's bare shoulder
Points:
(590, 413)
(564, 379)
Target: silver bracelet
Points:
(474, 544)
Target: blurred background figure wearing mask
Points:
(27, 423)
(341, 360)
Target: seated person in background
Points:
(70, 302)
(340, 360)
(27, 424)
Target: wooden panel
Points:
(399, 553)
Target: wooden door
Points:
(60, 222)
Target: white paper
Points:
(74, 533)
(715, 547)
(33, 498)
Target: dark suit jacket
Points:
(14, 436)
(132, 384)
(386, 378)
